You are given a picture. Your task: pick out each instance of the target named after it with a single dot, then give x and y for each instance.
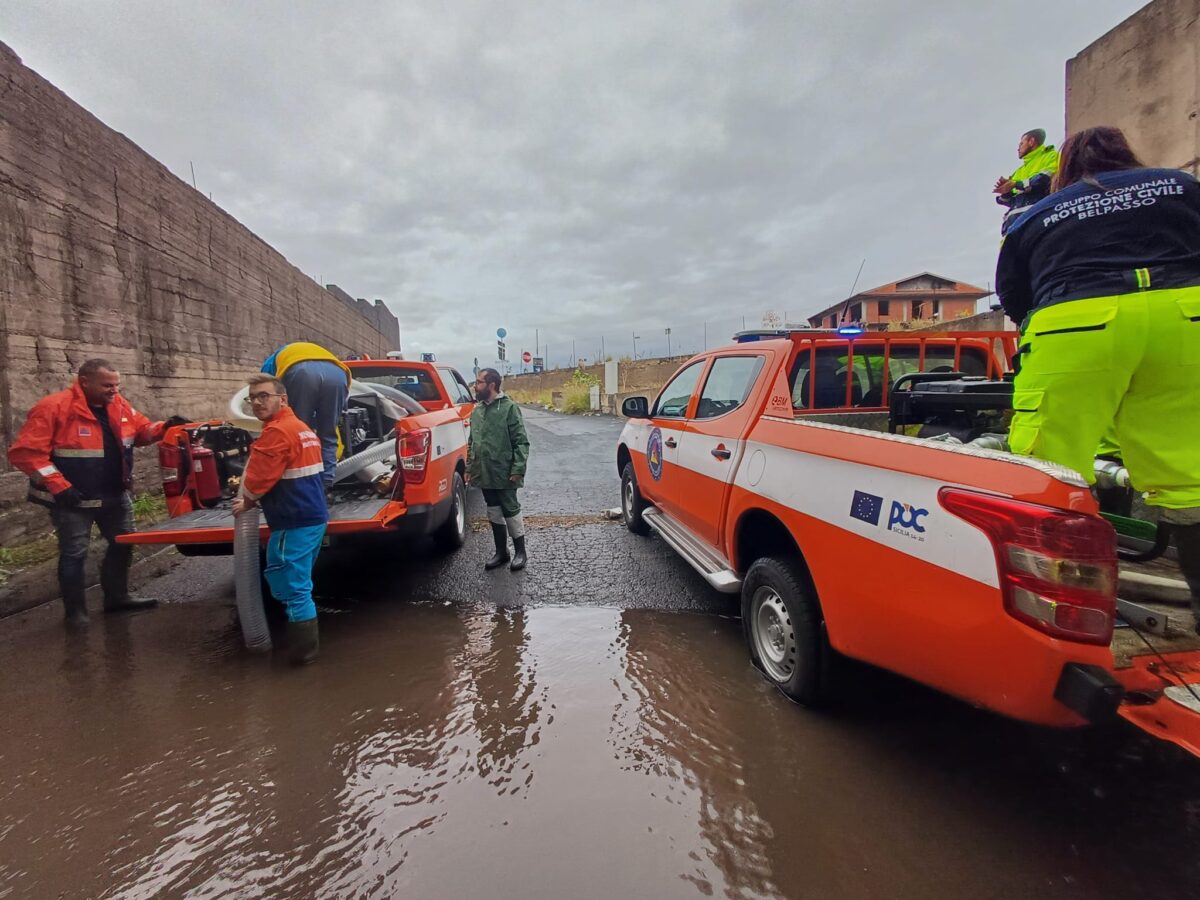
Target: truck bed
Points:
(215, 525)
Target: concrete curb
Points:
(39, 584)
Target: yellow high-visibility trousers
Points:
(1126, 368)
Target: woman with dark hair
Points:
(1103, 278)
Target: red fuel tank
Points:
(208, 485)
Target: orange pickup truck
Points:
(769, 467)
(402, 472)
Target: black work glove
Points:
(68, 499)
(175, 420)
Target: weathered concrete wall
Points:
(103, 252)
(644, 374)
(1144, 77)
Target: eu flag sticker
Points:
(866, 507)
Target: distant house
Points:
(925, 296)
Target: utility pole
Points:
(635, 340)
(668, 343)
(706, 336)
(574, 358)
(602, 356)
(535, 342)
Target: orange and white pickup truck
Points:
(402, 472)
(769, 467)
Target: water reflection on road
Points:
(439, 751)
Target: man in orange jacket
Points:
(76, 446)
(285, 475)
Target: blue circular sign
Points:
(501, 333)
(654, 457)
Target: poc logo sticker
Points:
(905, 519)
(654, 458)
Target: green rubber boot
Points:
(304, 643)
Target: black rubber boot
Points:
(74, 604)
(114, 580)
(500, 536)
(519, 559)
(1187, 542)
(304, 642)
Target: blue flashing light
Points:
(850, 330)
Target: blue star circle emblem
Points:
(654, 451)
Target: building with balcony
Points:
(925, 297)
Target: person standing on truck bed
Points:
(76, 446)
(1103, 278)
(284, 475)
(496, 459)
(1031, 180)
(318, 384)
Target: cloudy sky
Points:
(592, 170)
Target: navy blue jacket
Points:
(1140, 230)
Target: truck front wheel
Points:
(782, 624)
(632, 503)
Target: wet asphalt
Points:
(590, 727)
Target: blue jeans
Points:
(74, 529)
(317, 392)
(291, 553)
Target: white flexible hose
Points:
(384, 450)
(251, 614)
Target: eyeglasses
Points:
(263, 396)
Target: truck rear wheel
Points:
(782, 623)
(632, 503)
(452, 533)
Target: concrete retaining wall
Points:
(1144, 77)
(103, 252)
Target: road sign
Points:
(501, 333)
(527, 357)
(500, 349)
(538, 364)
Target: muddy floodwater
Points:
(446, 751)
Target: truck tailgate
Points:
(215, 526)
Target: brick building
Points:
(926, 296)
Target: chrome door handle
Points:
(721, 453)
(670, 442)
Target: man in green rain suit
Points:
(496, 459)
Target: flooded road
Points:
(591, 727)
(447, 751)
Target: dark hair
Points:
(1038, 134)
(92, 366)
(1087, 153)
(490, 376)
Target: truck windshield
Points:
(415, 381)
(830, 384)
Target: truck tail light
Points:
(413, 451)
(1058, 570)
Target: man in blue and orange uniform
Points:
(76, 446)
(283, 474)
(317, 384)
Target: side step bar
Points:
(704, 559)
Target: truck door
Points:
(712, 446)
(659, 481)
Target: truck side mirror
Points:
(636, 408)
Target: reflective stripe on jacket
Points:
(61, 445)
(300, 351)
(285, 470)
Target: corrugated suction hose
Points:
(385, 449)
(251, 614)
